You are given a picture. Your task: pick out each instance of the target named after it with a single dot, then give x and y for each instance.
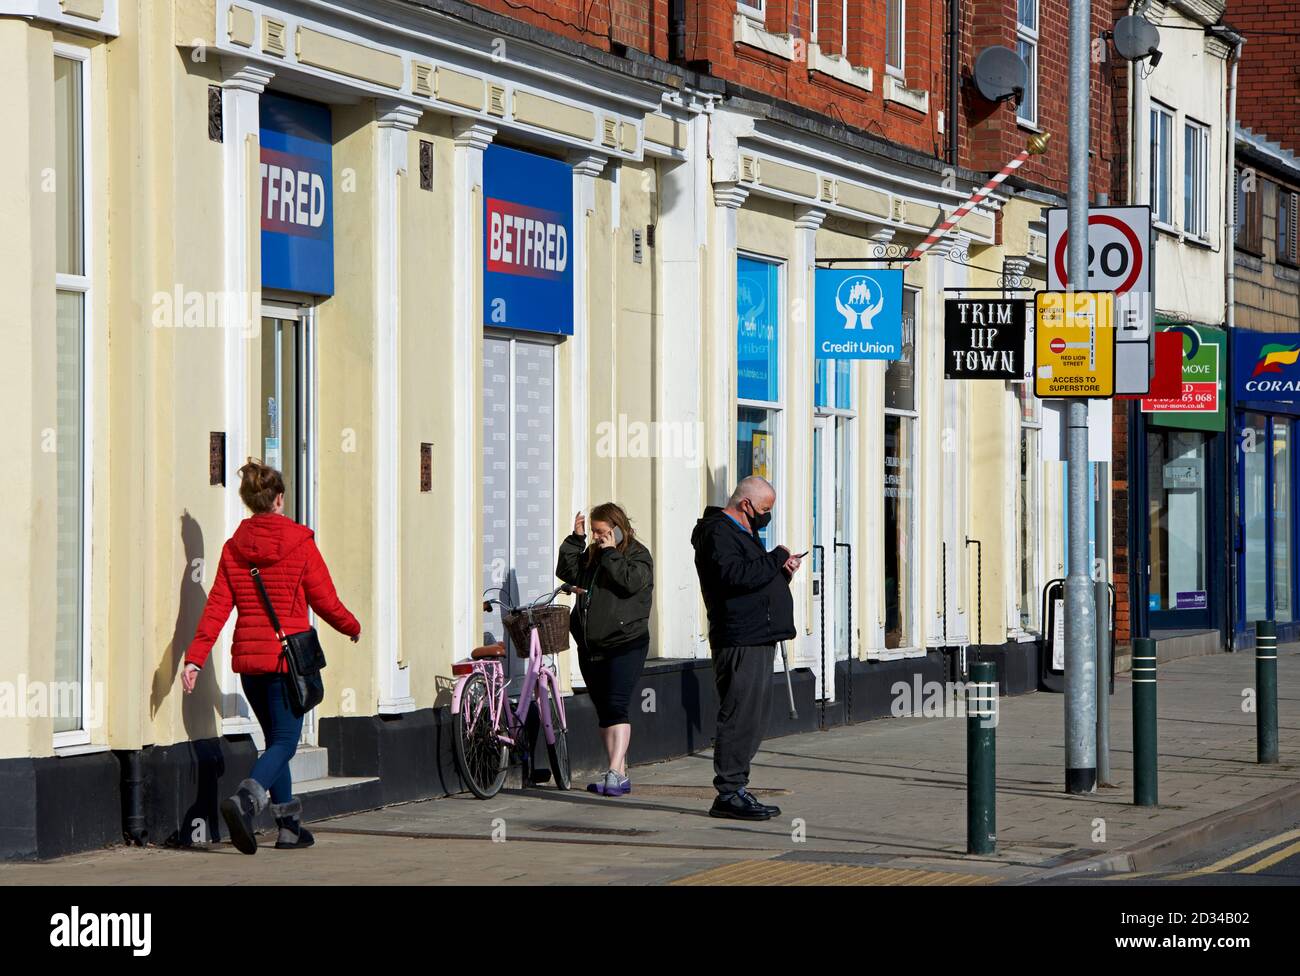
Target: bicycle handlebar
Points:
(542, 601)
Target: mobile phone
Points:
(618, 536)
(800, 555)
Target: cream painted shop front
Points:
(459, 280)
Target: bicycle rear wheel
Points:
(481, 756)
(559, 752)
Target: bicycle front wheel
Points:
(559, 752)
(481, 756)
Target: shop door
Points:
(1178, 564)
(518, 522)
(287, 406)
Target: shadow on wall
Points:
(201, 711)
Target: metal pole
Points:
(1145, 791)
(1101, 602)
(1080, 628)
(981, 758)
(1266, 690)
(789, 688)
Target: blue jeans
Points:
(269, 696)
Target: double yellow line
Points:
(1219, 867)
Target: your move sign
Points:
(984, 339)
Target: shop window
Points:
(1254, 514)
(899, 481)
(1196, 179)
(1249, 216)
(1283, 558)
(1162, 164)
(758, 365)
(518, 520)
(72, 400)
(1288, 217)
(1027, 48)
(1177, 493)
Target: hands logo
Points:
(1274, 356)
(853, 300)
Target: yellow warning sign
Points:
(1074, 344)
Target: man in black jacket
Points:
(747, 594)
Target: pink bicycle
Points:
(487, 725)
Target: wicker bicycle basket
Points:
(552, 629)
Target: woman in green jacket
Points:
(610, 624)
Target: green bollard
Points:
(1145, 790)
(981, 758)
(1266, 690)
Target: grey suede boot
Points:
(292, 833)
(239, 810)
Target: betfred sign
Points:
(527, 236)
(297, 213)
(526, 241)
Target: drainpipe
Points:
(134, 830)
(1230, 321)
(677, 31)
(954, 67)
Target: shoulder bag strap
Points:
(266, 599)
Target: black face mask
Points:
(758, 520)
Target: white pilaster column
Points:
(796, 492)
(720, 345)
(586, 168)
(395, 121)
(471, 139)
(241, 89)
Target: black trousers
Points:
(611, 673)
(743, 676)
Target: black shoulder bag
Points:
(302, 656)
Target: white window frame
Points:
(756, 10)
(912, 629)
(778, 406)
(1160, 152)
(1028, 33)
(897, 70)
(74, 740)
(1201, 176)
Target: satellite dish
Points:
(1136, 38)
(1000, 74)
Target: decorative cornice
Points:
(471, 134)
(731, 196)
(587, 163)
(239, 74)
(808, 218)
(397, 115)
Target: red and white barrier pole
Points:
(1037, 146)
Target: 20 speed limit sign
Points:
(1120, 259)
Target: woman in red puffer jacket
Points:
(296, 579)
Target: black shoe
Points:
(292, 833)
(739, 806)
(239, 810)
(771, 810)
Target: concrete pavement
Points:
(878, 799)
